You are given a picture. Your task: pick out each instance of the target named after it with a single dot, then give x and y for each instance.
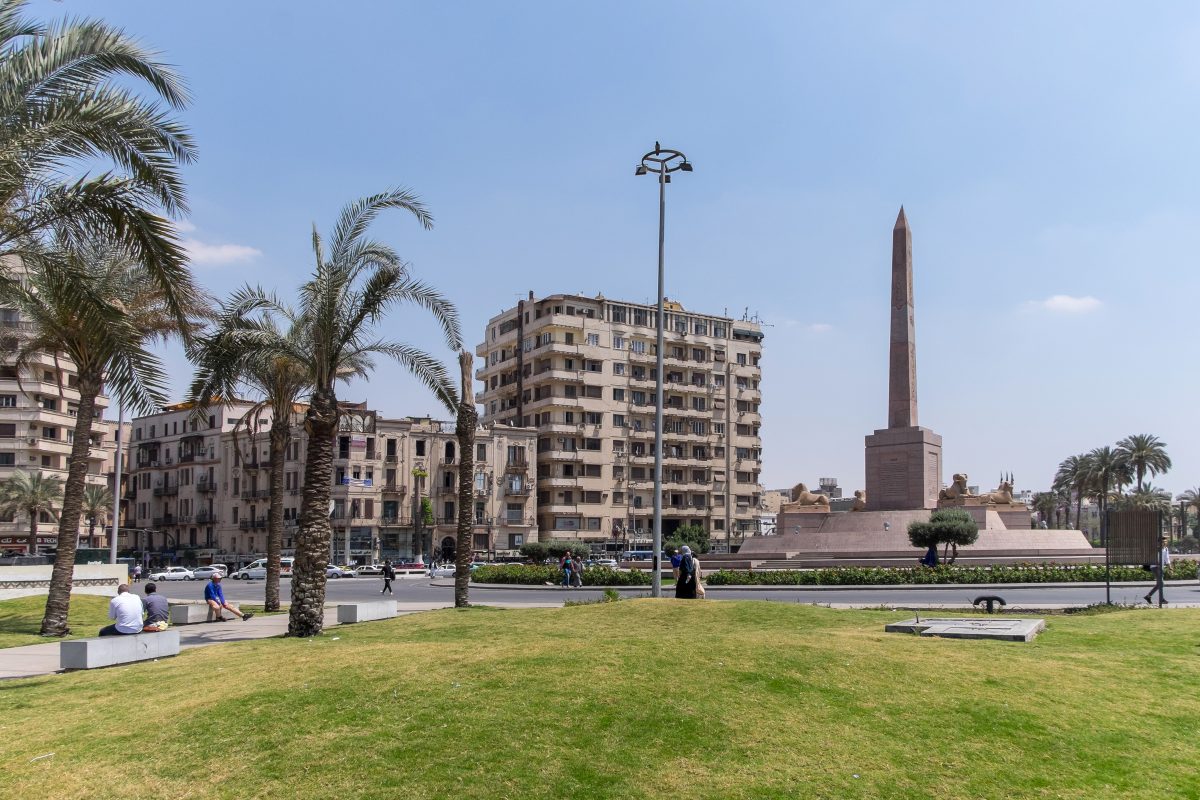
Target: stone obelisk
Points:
(904, 460)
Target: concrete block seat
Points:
(365, 612)
(107, 651)
(190, 613)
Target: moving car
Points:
(172, 574)
(206, 572)
(333, 571)
(369, 569)
(611, 563)
(257, 570)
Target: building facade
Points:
(38, 412)
(201, 486)
(581, 372)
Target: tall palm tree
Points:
(355, 282)
(1071, 478)
(1046, 504)
(1106, 468)
(233, 354)
(1146, 454)
(100, 307)
(31, 493)
(66, 107)
(466, 418)
(97, 506)
(1149, 499)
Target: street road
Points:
(422, 590)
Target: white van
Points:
(257, 570)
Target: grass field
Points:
(634, 699)
(21, 619)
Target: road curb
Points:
(838, 588)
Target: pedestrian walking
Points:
(1158, 570)
(389, 575)
(567, 565)
(137, 573)
(685, 585)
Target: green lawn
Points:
(634, 699)
(21, 619)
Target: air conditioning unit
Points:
(33, 440)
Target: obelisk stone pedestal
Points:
(904, 469)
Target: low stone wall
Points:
(99, 579)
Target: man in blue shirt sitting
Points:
(216, 601)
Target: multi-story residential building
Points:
(581, 371)
(202, 485)
(38, 403)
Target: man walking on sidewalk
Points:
(1158, 570)
(389, 575)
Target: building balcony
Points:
(204, 485)
(255, 494)
(206, 518)
(392, 459)
(395, 488)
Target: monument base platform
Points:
(904, 468)
(869, 532)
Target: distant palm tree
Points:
(1145, 454)
(355, 282)
(100, 307)
(1046, 504)
(34, 494)
(66, 107)
(97, 506)
(1106, 468)
(1072, 478)
(1192, 498)
(254, 352)
(1147, 499)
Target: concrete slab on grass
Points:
(365, 612)
(107, 651)
(1007, 630)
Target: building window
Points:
(8, 401)
(421, 446)
(618, 369)
(618, 420)
(593, 339)
(618, 342)
(741, 359)
(566, 523)
(637, 346)
(481, 452)
(593, 523)
(8, 459)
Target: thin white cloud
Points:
(219, 254)
(1065, 304)
(820, 327)
(183, 226)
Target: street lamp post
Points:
(663, 163)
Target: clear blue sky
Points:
(1044, 152)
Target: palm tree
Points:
(1192, 498)
(467, 417)
(1105, 469)
(100, 307)
(65, 107)
(354, 283)
(1071, 478)
(232, 354)
(1046, 504)
(1149, 499)
(31, 493)
(1146, 454)
(97, 506)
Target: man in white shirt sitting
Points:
(126, 609)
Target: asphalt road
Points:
(422, 590)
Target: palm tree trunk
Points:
(280, 436)
(91, 531)
(1079, 511)
(307, 614)
(464, 430)
(33, 525)
(58, 600)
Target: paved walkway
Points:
(43, 659)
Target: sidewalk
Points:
(43, 659)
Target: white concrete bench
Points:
(189, 613)
(365, 612)
(105, 651)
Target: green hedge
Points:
(884, 576)
(531, 575)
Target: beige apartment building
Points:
(581, 371)
(202, 486)
(38, 411)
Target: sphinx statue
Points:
(802, 497)
(860, 500)
(1003, 496)
(957, 489)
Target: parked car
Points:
(611, 563)
(206, 572)
(442, 572)
(369, 569)
(173, 574)
(334, 571)
(257, 570)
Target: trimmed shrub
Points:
(945, 526)
(891, 576)
(537, 575)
